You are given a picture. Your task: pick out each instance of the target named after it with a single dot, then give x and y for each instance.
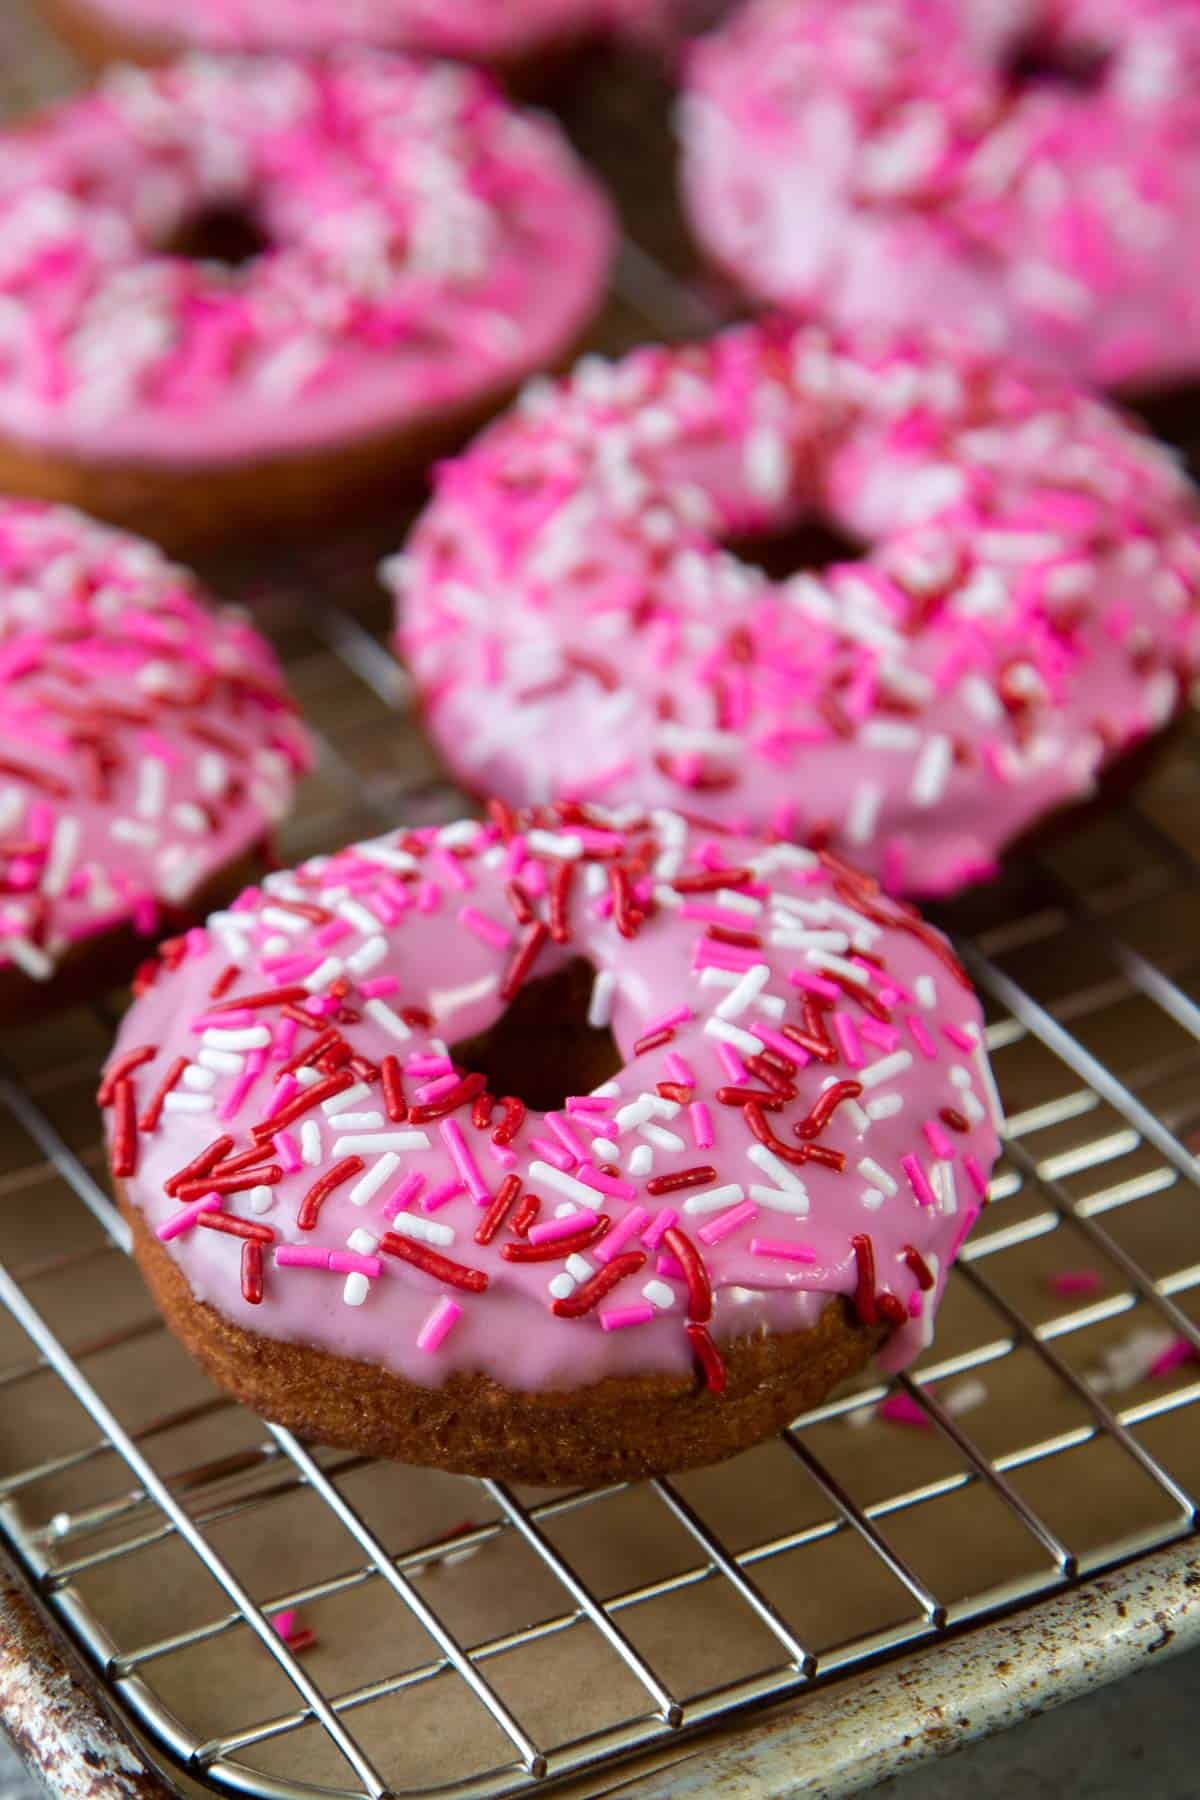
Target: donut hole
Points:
(1038, 61)
(229, 235)
(810, 543)
(542, 1048)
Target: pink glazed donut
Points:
(1028, 171)
(147, 749)
(1025, 614)
(502, 33)
(421, 248)
(366, 1228)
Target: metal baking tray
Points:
(868, 1589)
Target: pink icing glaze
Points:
(146, 740)
(475, 30)
(328, 1279)
(1027, 606)
(878, 162)
(427, 246)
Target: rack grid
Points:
(485, 1641)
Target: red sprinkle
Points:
(125, 1130)
(124, 1065)
(743, 940)
(654, 1040)
(245, 1159)
(511, 1123)
(252, 1272)
(498, 1211)
(321, 1189)
(708, 1356)
(919, 1267)
(325, 1040)
(738, 1096)
(153, 1111)
(890, 1309)
(526, 1215)
(711, 880)
(482, 1109)
(699, 1287)
(224, 981)
(303, 1102)
(456, 1275)
(526, 955)
(685, 1178)
(518, 899)
(238, 1228)
(393, 1090)
(229, 1184)
(560, 896)
(628, 918)
(864, 1292)
(950, 1115)
(199, 1165)
(675, 1090)
(467, 1089)
(753, 1115)
(825, 1106)
(283, 996)
(560, 1248)
(598, 1286)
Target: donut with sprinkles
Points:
(239, 293)
(147, 749)
(516, 36)
(582, 623)
(362, 1208)
(1028, 173)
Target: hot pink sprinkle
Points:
(886, 1037)
(483, 927)
(975, 1176)
(433, 1090)
(284, 1090)
(553, 1153)
(285, 1622)
(1180, 1351)
(847, 1037)
(678, 1070)
(919, 1032)
(378, 985)
(616, 1318)
(630, 1226)
(289, 1154)
(658, 1227)
(901, 1409)
(404, 1195)
(550, 1230)
(775, 1040)
(713, 1230)
(733, 1065)
(668, 1265)
(918, 1181)
(606, 1184)
(679, 1015)
(438, 1196)
(566, 1136)
(301, 1256)
(1076, 1281)
(332, 933)
(814, 984)
(348, 1262)
(284, 1042)
(186, 1217)
(702, 1127)
(464, 1162)
(454, 871)
(958, 1038)
(438, 1325)
(938, 1142)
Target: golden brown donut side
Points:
(619, 1429)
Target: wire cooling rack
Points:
(470, 1638)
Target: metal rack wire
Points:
(166, 1529)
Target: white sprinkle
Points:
(347, 1099)
(564, 1209)
(427, 1231)
(187, 1103)
(310, 1142)
(767, 465)
(356, 1289)
(554, 843)
(780, 1200)
(713, 1199)
(732, 1034)
(884, 1069)
(601, 1003)
(733, 901)
(151, 787)
(878, 1177)
(987, 1080)
(369, 1184)
(578, 1267)
(764, 1158)
(250, 1037)
(190, 817)
(458, 835)
(662, 1139)
(362, 1241)
(364, 1121)
(372, 1143)
(212, 774)
(886, 1107)
(366, 958)
(604, 1149)
(787, 938)
(836, 965)
(63, 847)
(932, 771)
(261, 1199)
(889, 734)
(387, 857)
(749, 987)
(199, 1080)
(982, 699)
(659, 1295)
(666, 1109)
(223, 1062)
(566, 1184)
(30, 957)
(926, 991)
(328, 971)
(965, 1396)
(278, 920)
(391, 1022)
(561, 1286)
(636, 1113)
(941, 1179)
(641, 1160)
(872, 1199)
(128, 831)
(864, 812)
(356, 914)
(309, 1077)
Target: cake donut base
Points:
(182, 505)
(619, 1429)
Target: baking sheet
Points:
(848, 1538)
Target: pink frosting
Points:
(146, 740)
(1027, 606)
(476, 30)
(427, 246)
(881, 164)
(717, 961)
